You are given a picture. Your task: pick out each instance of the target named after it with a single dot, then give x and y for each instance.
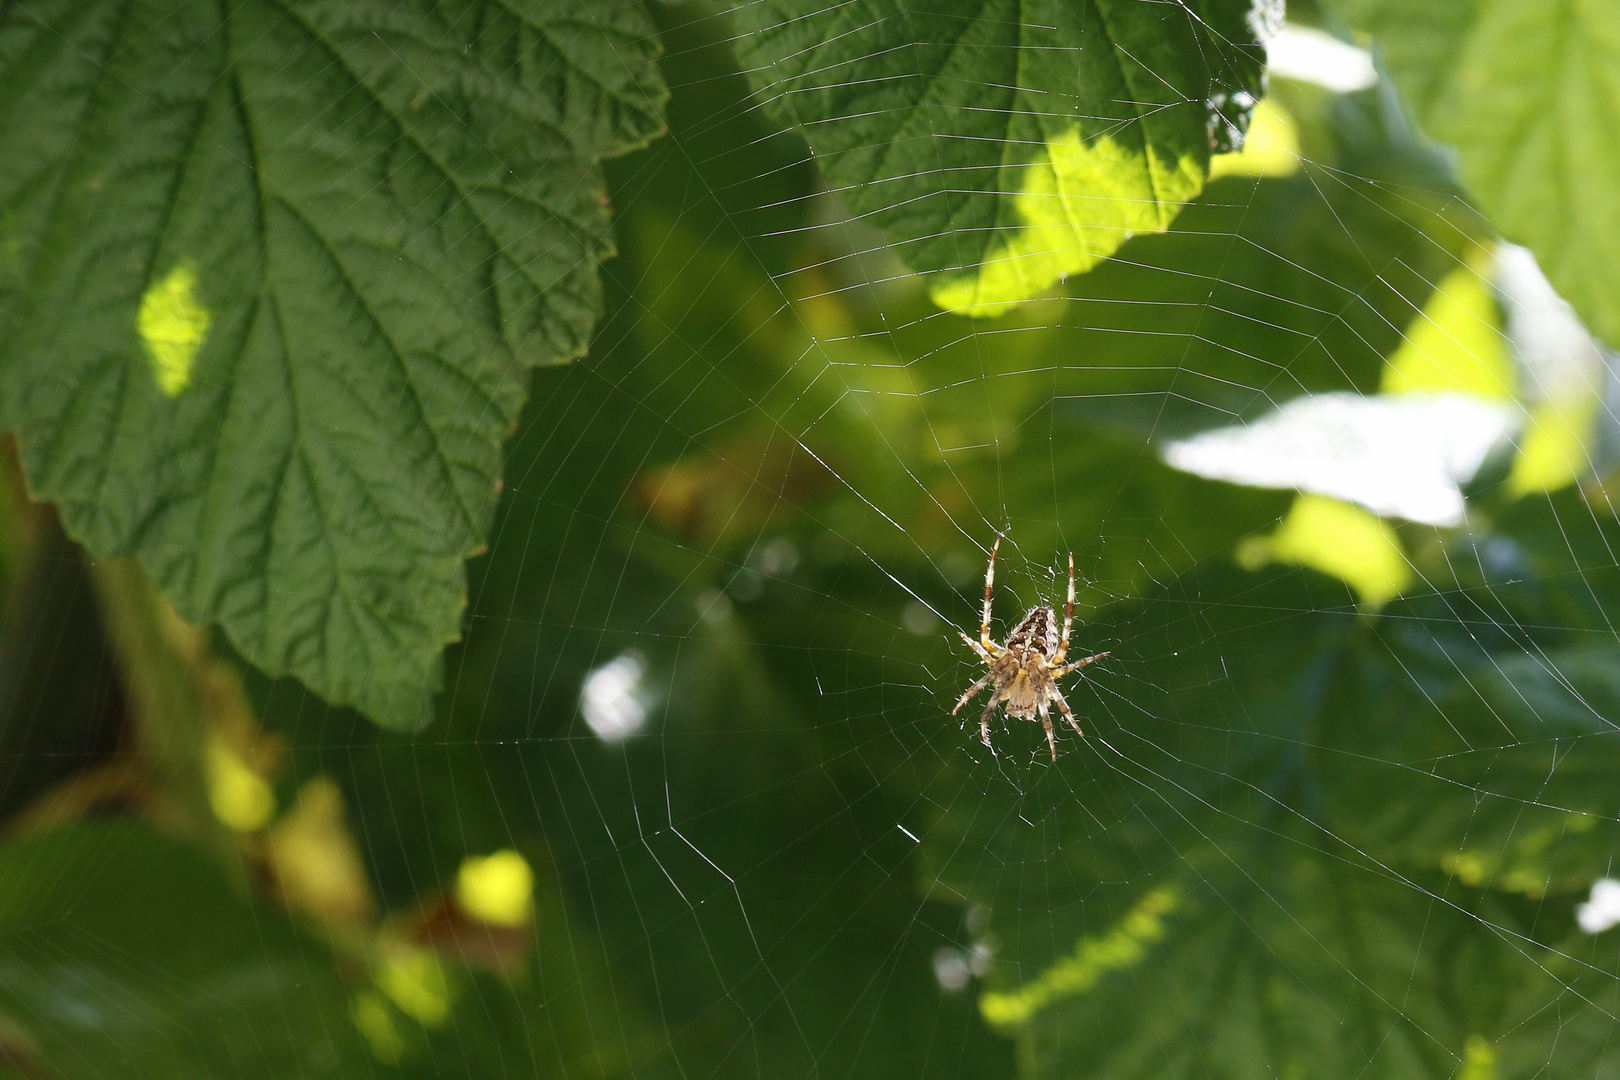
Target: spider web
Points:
(1345, 778)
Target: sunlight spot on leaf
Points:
(1517, 872)
(497, 889)
(1467, 866)
(1081, 201)
(415, 980)
(1563, 375)
(1553, 452)
(376, 1023)
(240, 797)
(1455, 345)
(1122, 947)
(1525, 865)
(315, 861)
(1479, 1060)
(1271, 148)
(1338, 539)
(173, 327)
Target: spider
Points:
(1024, 672)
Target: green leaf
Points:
(1528, 91)
(1290, 962)
(1474, 731)
(1298, 836)
(1262, 290)
(1503, 775)
(126, 954)
(1010, 143)
(271, 282)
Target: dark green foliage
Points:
(1300, 837)
(123, 954)
(1297, 783)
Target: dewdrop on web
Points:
(1602, 909)
(611, 698)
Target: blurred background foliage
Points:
(1344, 781)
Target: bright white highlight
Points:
(1559, 357)
(954, 967)
(951, 969)
(1398, 455)
(1309, 55)
(1603, 909)
(609, 699)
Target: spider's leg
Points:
(974, 689)
(989, 583)
(1078, 664)
(1068, 713)
(984, 718)
(986, 655)
(1046, 721)
(1068, 617)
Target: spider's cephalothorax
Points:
(1024, 672)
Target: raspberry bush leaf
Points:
(272, 279)
(1528, 91)
(1006, 144)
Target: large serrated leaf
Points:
(1528, 91)
(272, 277)
(1006, 144)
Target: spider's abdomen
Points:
(1037, 631)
